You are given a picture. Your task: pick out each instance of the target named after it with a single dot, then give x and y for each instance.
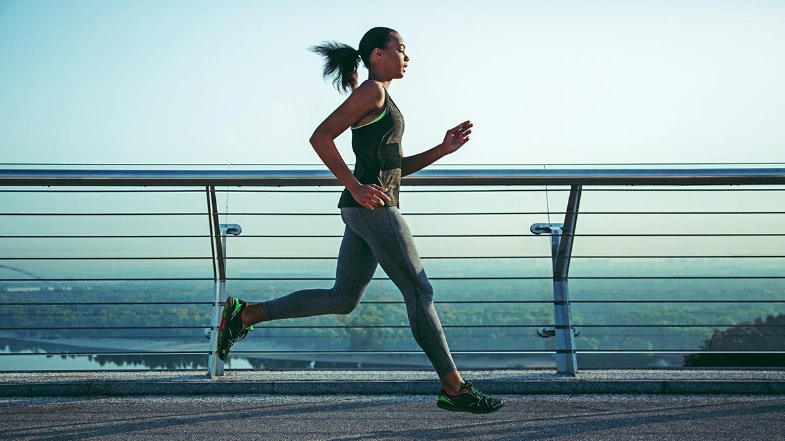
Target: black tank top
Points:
(377, 146)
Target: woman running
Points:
(375, 232)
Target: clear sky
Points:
(194, 82)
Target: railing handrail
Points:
(431, 177)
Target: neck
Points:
(385, 82)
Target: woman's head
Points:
(378, 49)
(376, 38)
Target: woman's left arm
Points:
(454, 139)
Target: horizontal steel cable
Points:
(401, 302)
(311, 279)
(103, 328)
(398, 352)
(505, 257)
(440, 213)
(79, 303)
(115, 279)
(412, 352)
(99, 353)
(339, 236)
(514, 351)
(561, 189)
(446, 326)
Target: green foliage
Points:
(364, 335)
(475, 316)
(764, 336)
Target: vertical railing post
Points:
(215, 366)
(566, 360)
(218, 239)
(562, 236)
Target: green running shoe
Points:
(231, 330)
(469, 399)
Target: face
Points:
(393, 59)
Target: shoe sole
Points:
(451, 408)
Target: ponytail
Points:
(341, 61)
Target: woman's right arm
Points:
(367, 98)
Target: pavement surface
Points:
(392, 405)
(396, 417)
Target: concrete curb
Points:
(409, 387)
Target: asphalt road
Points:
(353, 417)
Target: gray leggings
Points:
(375, 236)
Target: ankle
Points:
(253, 314)
(454, 389)
(244, 317)
(452, 383)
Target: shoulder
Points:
(371, 92)
(371, 86)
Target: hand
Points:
(370, 195)
(456, 137)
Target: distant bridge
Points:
(27, 273)
(44, 285)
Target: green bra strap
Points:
(368, 124)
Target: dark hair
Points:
(341, 61)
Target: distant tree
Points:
(765, 336)
(366, 334)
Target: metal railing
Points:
(30, 298)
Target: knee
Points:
(425, 292)
(343, 304)
(344, 308)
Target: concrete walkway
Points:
(394, 417)
(317, 382)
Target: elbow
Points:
(317, 139)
